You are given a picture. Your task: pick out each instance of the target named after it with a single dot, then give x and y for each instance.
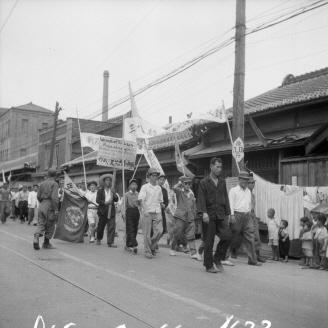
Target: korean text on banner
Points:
(90, 140)
(110, 153)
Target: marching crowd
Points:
(231, 217)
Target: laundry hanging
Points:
(288, 207)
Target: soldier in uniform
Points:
(48, 210)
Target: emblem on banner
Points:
(74, 218)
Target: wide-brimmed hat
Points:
(152, 170)
(244, 175)
(251, 179)
(104, 176)
(133, 180)
(185, 179)
(162, 176)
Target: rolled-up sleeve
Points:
(142, 193)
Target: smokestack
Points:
(105, 98)
(170, 119)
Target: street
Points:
(96, 286)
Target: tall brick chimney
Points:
(105, 98)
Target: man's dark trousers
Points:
(110, 228)
(132, 222)
(218, 226)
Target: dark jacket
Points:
(102, 208)
(213, 199)
(165, 198)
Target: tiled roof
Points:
(276, 140)
(33, 107)
(294, 90)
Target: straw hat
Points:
(244, 175)
(103, 177)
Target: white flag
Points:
(134, 109)
(90, 140)
(136, 127)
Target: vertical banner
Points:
(110, 153)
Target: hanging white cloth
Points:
(312, 192)
(288, 206)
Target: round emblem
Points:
(74, 218)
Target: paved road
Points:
(100, 287)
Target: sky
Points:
(56, 50)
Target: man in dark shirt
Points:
(161, 180)
(213, 203)
(48, 210)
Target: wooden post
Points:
(239, 79)
(52, 149)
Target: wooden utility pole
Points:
(52, 149)
(239, 79)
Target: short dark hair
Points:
(36, 185)
(321, 218)
(215, 159)
(272, 211)
(305, 219)
(309, 224)
(92, 182)
(285, 223)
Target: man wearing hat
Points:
(106, 196)
(184, 215)
(48, 210)
(241, 222)
(151, 198)
(131, 215)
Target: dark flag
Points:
(72, 219)
(258, 132)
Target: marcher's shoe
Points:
(148, 256)
(92, 240)
(234, 253)
(227, 262)
(172, 252)
(112, 245)
(199, 257)
(168, 241)
(29, 223)
(98, 242)
(194, 256)
(127, 249)
(153, 253)
(47, 246)
(135, 250)
(218, 265)
(36, 246)
(33, 224)
(256, 264)
(178, 249)
(211, 270)
(185, 249)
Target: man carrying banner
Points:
(106, 196)
(151, 198)
(48, 210)
(91, 196)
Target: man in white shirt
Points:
(91, 196)
(151, 198)
(241, 223)
(33, 205)
(61, 194)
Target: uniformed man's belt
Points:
(92, 208)
(241, 212)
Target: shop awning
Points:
(19, 163)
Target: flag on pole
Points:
(72, 219)
(3, 176)
(134, 109)
(258, 132)
(179, 161)
(71, 188)
(90, 140)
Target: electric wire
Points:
(12, 9)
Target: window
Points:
(22, 152)
(24, 125)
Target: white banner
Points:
(136, 127)
(208, 118)
(90, 140)
(110, 153)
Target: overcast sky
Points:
(56, 50)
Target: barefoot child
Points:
(273, 228)
(307, 244)
(284, 241)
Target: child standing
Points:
(273, 229)
(307, 244)
(302, 223)
(284, 241)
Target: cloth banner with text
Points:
(72, 219)
(90, 140)
(70, 186)
(110, 153)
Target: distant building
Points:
(19, 127)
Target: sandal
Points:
(271, 258)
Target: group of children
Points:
(313, 235)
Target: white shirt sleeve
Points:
(142, 194)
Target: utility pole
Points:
(239, 79)
(52, 149)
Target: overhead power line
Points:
(11, 11)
